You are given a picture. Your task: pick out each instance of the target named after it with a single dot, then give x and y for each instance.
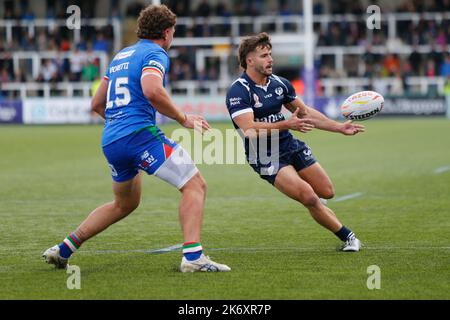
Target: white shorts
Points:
(178, 169)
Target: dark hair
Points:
(250, 44)
(153, 20)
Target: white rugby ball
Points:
(362, 105)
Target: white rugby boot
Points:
(202, 264)
(352, 244)
(51, 256)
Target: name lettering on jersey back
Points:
(122, 66)
(271, 118)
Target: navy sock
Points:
(344, 233)
(192, 250)
(64, 250)
(69, 246)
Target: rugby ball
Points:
(362, 105)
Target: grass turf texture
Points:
(53, 176)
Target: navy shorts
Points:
(146, 149)
(296, 153)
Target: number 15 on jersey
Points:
(120, 92)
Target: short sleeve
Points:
(106, 76)
(156, 61)
(290, 95)
(238, 100)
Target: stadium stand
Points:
(409, 55)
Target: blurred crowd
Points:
(83, 64)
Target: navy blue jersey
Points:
(127, 109)
(265, 102)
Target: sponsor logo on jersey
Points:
(235, 101)
(147, 160)
(156, 65)
(271, 118)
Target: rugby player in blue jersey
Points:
(128, 98)
(254, 102)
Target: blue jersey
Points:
(265, 102)
(127, 109)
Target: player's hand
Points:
(349, 128)
(303, 125)
(196, 122)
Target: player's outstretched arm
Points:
(153, 89)
(98, 103)
(321, 121)
(252, 128)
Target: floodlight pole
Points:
(308, 72)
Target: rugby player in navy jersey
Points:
(128, 98)
(254, 102)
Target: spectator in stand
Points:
(90, 70)
(65, 45)
(203, 9)
(318, 7)
(41, 41)
(222, 9)
(397, 88)
(415, 60)
(49, 71)
(4, 76)
(28, 43)
(77, 61)
(441, 38)
(391, 65)
(181, 8)
(430, 69)
(445, 67)
(100, 43)
(436, 55)
(19, 76)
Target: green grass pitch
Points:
(51, 177)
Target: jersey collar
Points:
(245, 76)
(151, 42)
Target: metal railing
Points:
(190, 88)
(36, 58)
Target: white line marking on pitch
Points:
(163, 250)
(168, 249)
(348, 197)
(261, 249)
(442, 169)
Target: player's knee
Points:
(201, 185)
(327, 192)
(309, 199)
(196, 184)
(128, 206)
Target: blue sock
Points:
(64, 250)
(344, 233)
(69, 246)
